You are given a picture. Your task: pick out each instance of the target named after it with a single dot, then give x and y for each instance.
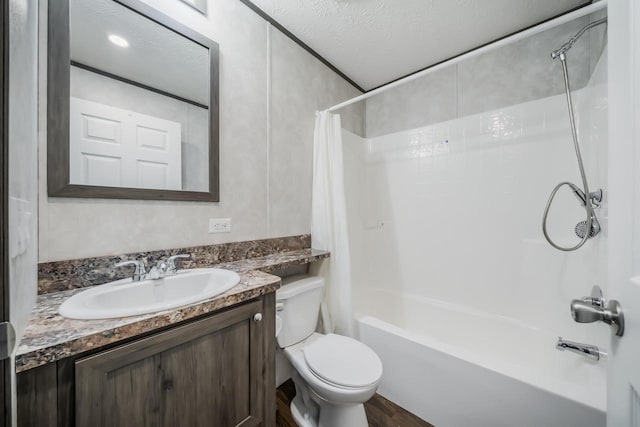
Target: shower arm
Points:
(568, 45)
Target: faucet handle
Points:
(584, 311)
(138, 272)
(595, 308)
(171, 262)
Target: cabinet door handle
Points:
(257, 317)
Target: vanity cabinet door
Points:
(210, 372)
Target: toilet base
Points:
(301, 414)
(343, 416)
(310, 410)
(330, 416)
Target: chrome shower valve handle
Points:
(596, 298)
(597, 309)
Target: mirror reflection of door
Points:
(139, 101)
(120, 148)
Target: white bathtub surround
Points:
(454, 285)
(453, 211)
(329, 219)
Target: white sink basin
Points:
(128, 298)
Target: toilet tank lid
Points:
(295, 285)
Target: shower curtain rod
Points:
(486, 48)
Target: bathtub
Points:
(455, 367)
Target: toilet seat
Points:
(343, 362)
(322, 389)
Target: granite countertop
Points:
(50, 337)
(275, 262)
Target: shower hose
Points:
(588, 205)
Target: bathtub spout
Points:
(587, 350)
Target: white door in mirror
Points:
(127, 298)
(120, 148)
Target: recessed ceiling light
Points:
(118, 41)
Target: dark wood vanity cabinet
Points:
(216, 371)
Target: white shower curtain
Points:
(329, 219)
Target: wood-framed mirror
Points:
(132, 104)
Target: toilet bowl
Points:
(334, 375)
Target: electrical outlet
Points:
(219, 225)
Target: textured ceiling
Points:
(376, 41)
(156, 56)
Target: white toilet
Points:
(334, 375)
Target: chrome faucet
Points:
(158, 271)
(139, 273)
(171, 263)
(587, 350)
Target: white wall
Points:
(269, 90)
(453, 211)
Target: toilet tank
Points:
(298, 305)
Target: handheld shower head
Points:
(581, 228)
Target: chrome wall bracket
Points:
(596, 197)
